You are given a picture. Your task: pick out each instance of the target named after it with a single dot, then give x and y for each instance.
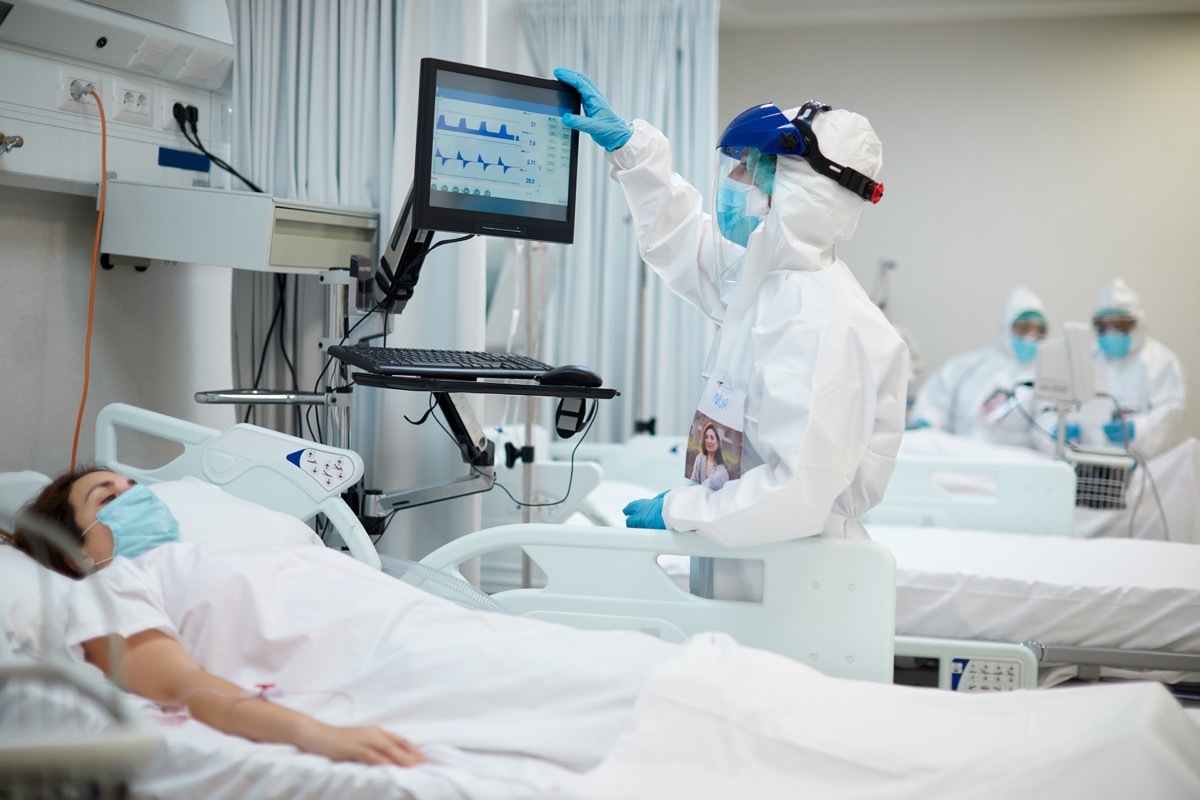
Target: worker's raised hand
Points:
(599, 120)
(365, 745)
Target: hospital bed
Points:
(994, 590)
(596, 578)
(840, 620)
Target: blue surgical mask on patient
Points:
(735, 224)
(139, 522)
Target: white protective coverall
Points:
(961, 396)
(824, 371)
(1148, 384)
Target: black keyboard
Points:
(438, 363)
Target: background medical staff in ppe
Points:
(979, 394)
(815, 371)
(1145, 380)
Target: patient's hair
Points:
(52, 505)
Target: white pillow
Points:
(209, 515)
(31, 603)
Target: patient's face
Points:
(88, 495)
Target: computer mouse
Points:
(569, 375)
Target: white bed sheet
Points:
(1012, 587)
(199, 762)
(798, 733)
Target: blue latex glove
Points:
(600, 122)
(1072, 433)
(1119, 433)
(646, 513)
(917, 424)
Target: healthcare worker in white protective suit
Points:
(806, 378)
(987, 394)
(1143, 378)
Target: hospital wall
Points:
(159, 336)
(1059, 153)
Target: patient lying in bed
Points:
(317, 650)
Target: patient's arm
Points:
(159, 669)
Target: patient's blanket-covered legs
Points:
(725, 721)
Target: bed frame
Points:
(1034, 497)
(283, 473)
(829, 603)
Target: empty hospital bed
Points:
(994, 590)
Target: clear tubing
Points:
(467, 595)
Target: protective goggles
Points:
(768, 129)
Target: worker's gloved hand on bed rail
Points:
(1072, 433)
(1118, 432)
(646, 513)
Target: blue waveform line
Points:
(504, 168)
(482, 130)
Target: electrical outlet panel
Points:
(85, 103)
(169, 99)
(131, 101)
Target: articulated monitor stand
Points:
(477, 450)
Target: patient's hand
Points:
(366, 745)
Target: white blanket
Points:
(513, 709)
(725, 721)
(351, 645)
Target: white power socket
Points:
(131, 101)
(85, 104)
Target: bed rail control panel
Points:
(971, 666)
(984, 675)
(331, 470)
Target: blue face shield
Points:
(1024, 349)
(1115, 345)
(735, 224)
(139, 522)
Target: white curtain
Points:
(657, 60)
(314, 87)
(324, 102)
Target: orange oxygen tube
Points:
(87, 348)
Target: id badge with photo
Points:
(714, 452)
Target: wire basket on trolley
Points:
(1101, 476)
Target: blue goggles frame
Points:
(767, 128)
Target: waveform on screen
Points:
(482, 130)
(464, 162)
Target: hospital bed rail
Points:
(829, 603)
(281, 472)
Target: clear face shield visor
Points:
(744, 179)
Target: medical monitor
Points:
(493, 158)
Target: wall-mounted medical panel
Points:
(240, 230)
(122, 38)
(43, 52)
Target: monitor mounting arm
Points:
(477, 451)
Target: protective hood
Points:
(810, 212)
(1020, 300)
(1119, 297)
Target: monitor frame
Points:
(431, 216)
(395, 276)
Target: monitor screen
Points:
(493, 157)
